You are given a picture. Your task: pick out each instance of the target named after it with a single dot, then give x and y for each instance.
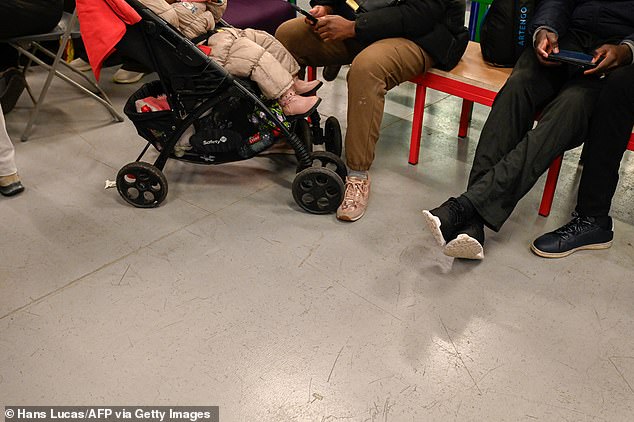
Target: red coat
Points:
(103, 24)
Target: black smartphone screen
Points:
(573, 57)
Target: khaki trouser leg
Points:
(309, 50)
(374, 71)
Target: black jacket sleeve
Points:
(554, 14)
(435, 25)
(410, 19)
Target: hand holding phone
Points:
(310, 17)
(576, 58)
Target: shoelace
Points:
(578, 224)
(286, 98)
(456, 211)
(355, 188)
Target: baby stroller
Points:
(215, 118)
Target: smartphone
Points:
(310, 17)
(573, 57)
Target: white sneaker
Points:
(123, 76)
(80, 64)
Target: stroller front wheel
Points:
(142, 184)
(318, 190)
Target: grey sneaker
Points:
(355, 199)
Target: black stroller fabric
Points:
(232, 129)
(230, 119)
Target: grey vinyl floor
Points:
(228, 294)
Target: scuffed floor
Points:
(229, 295)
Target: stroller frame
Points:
(194, 84)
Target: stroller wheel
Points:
(141, 184)
(318, 190)
(332, 136)
(303, 131)
(330, 161)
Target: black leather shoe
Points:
(12, 189)
(578, 234)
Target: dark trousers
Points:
(511, 155)
(20, 17)
(608, 136)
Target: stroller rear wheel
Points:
(331, 161)
(318, 190)
(142, 184)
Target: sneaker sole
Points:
(82, 68)
(349, 219)
(128, 80)
(593, 247)
(464, 246)
(434, 223)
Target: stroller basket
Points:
(156, 126)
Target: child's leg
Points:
(282, 55)
(245, 59)
(274, 47)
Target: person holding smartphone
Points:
(610, 130)
(511, 155)
(384, 47)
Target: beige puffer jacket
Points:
(249, 53)
(192, 18)
(245, 53)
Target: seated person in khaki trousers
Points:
(385, 47)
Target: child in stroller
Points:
(222, 118)
(244, 53)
